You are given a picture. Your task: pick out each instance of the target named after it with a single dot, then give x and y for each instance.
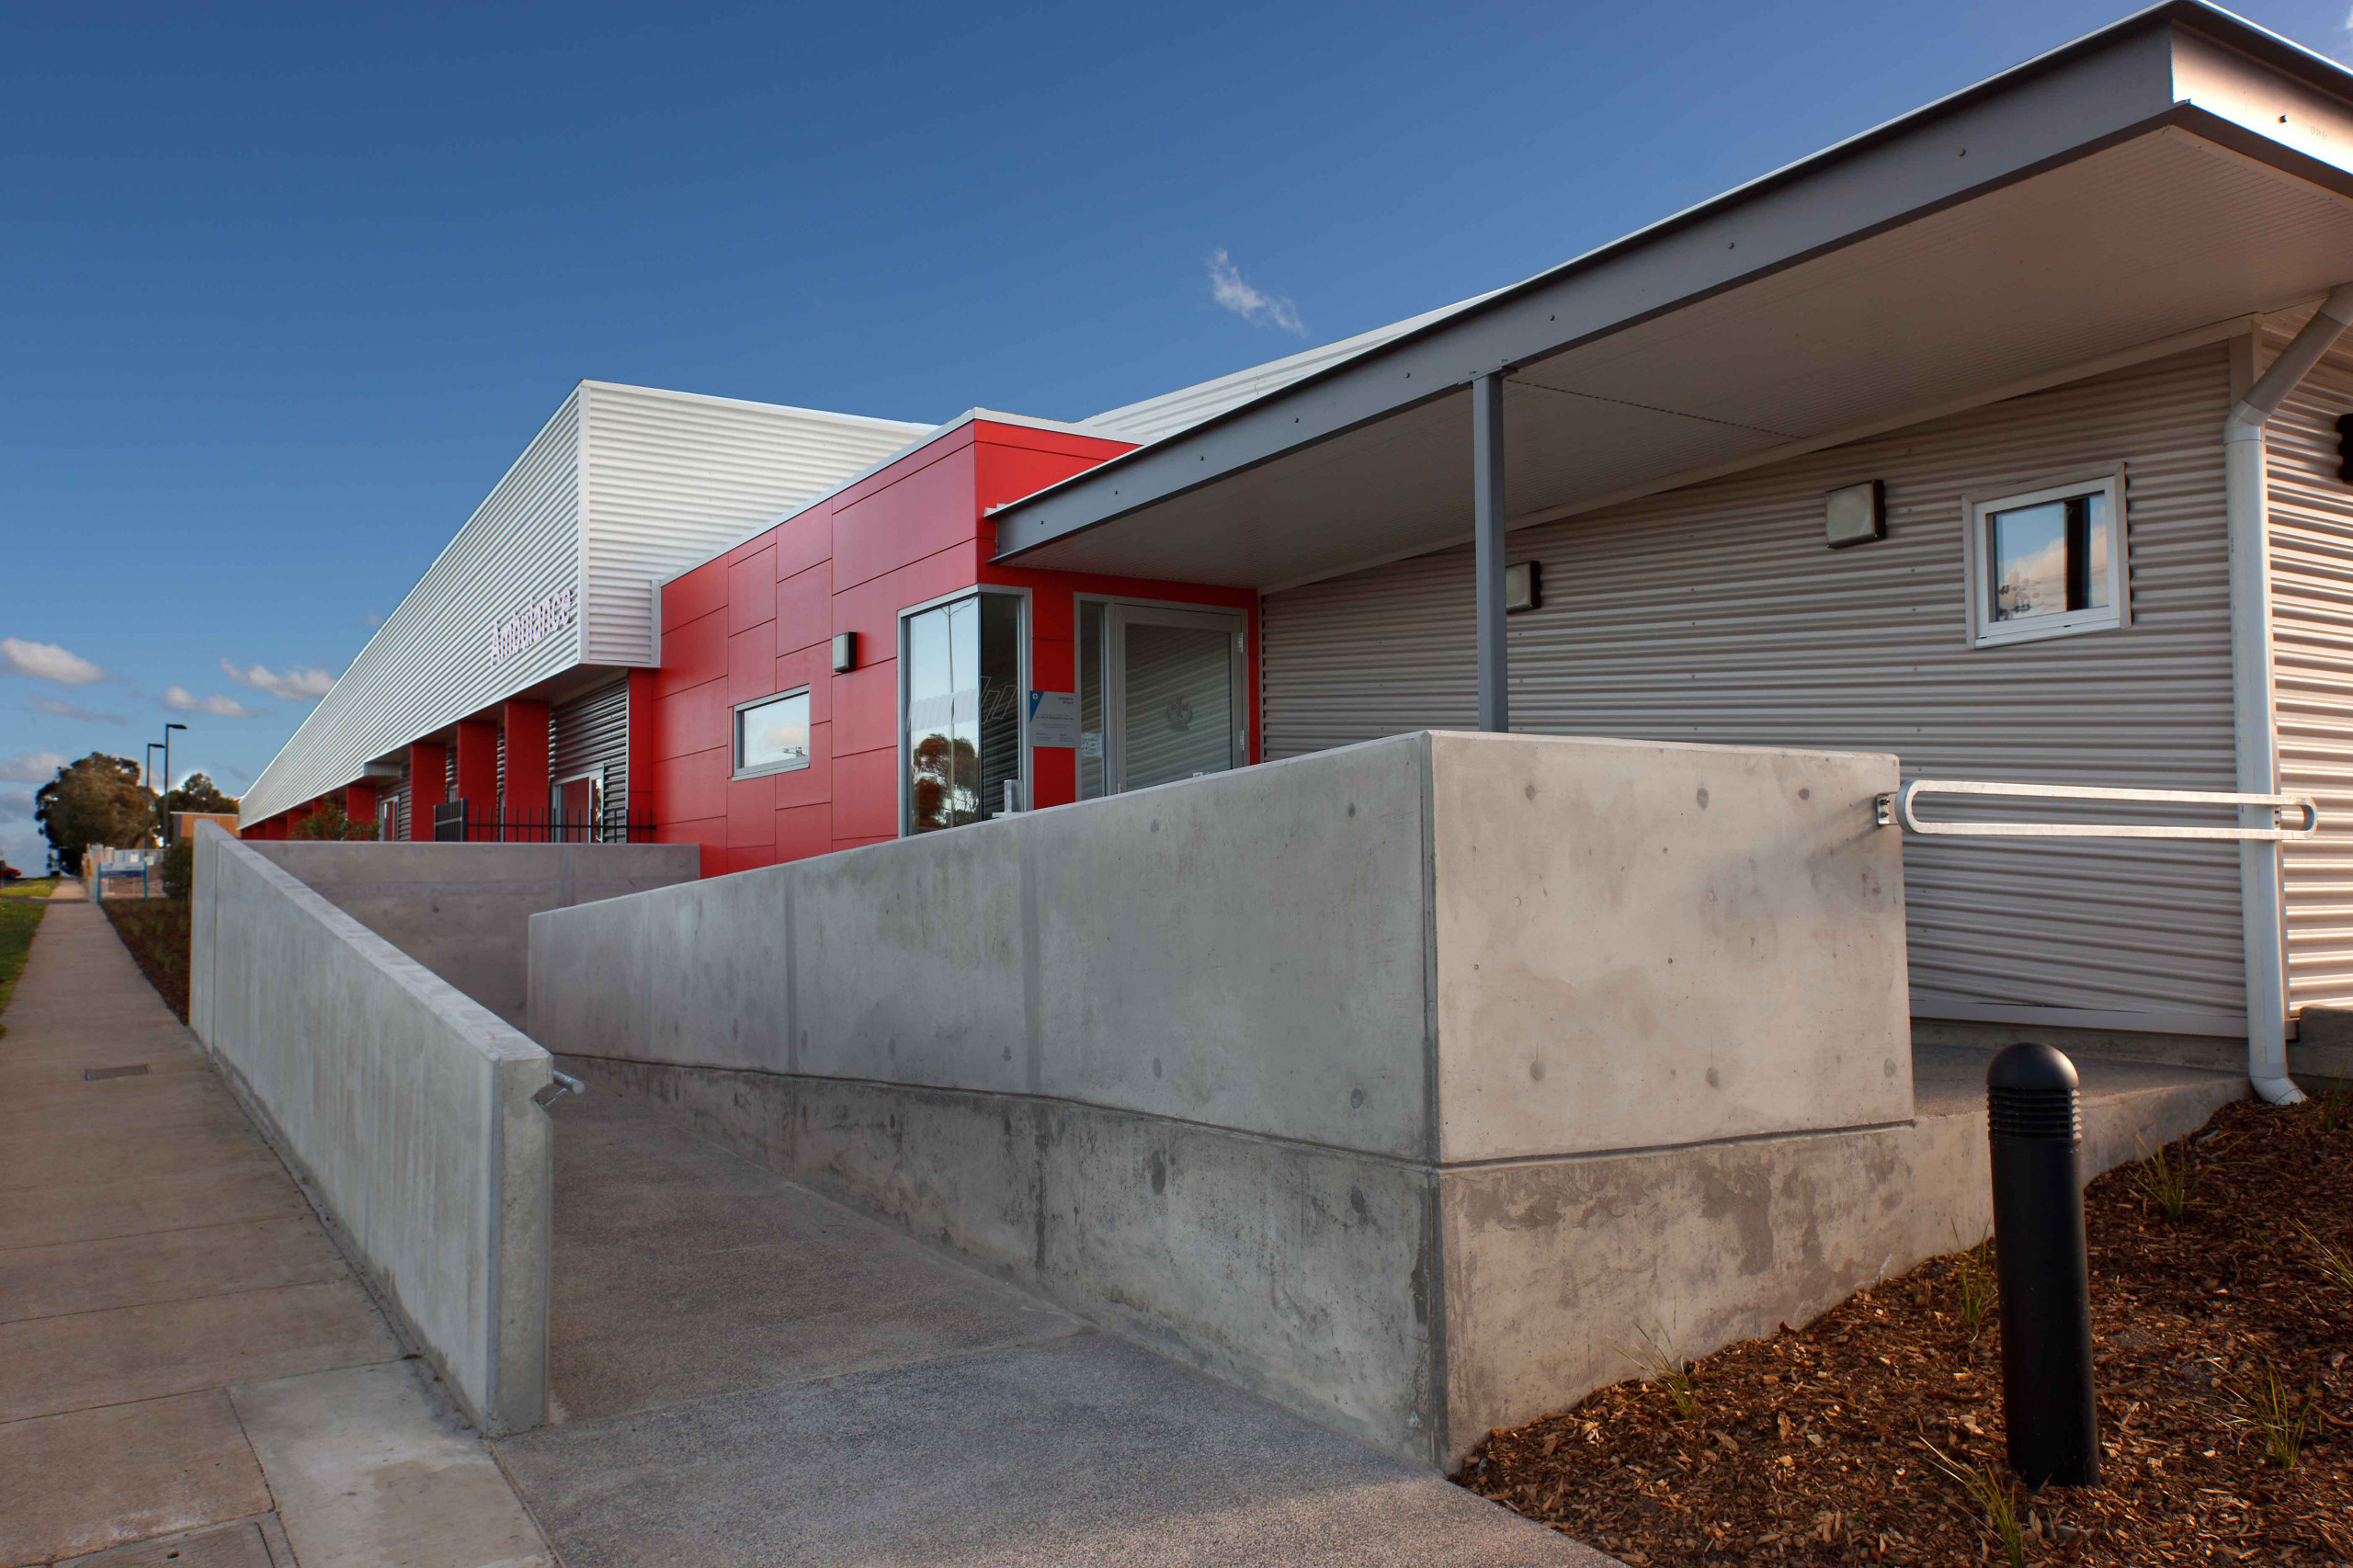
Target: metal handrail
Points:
(1902, 807)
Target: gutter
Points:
(2248, 524)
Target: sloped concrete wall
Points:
(1205, 1061)
(404, 1107)
(463, 910)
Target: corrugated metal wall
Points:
(674, 480)
(2312, 617)
(399, 797)
(589, 733)
(430, 662)
(1716, 614)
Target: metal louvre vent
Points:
(1714, 614)
(590, 732)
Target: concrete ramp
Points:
(1299, 1073)
(744, 1371)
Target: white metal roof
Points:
(624, 485)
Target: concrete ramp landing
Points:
(746, 1372)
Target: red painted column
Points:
(644, 801)
(429, 785)
(526, 759)
(478, 773)
(359, 802)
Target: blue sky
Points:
(285, 288)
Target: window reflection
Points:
(963, 740)
(773, 736)
(2051, 557)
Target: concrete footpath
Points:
(189, 1372)
(749, 1373)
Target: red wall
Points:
(761, 618)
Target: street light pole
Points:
(152, 747)
(167, 780)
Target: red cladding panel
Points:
(804, 610)
(805, 540)
(751, 662)
(866, 706)
(527, 758)
(807, 785)
(750, 811)
(811, 667)
(866, 794)
(427, 779)
(692, 720)
(751, 591)
(692, 655)
(360, 801)
(637, 766)
(928, 510)
(709, 832)
(804, 831)
(690, 597)
(478, 774)
(692, 789)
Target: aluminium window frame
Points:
(1979, 627)
(735, 734)
(1023, 637)
(1114, 701)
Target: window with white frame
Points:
(772, 735)
(2049, 564)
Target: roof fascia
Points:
(2115, 85)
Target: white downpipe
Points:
(2247, 521)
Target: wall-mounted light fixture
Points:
(1856, 513)
(1523, 586)
(845, 652)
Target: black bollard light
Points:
(2039, 1257)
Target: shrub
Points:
(179, 870)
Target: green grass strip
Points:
(18, 916)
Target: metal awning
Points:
(2152, 185)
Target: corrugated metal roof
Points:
(1155, 417)
(623, 486)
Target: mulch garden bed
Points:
(2223, 1339)
(156, 932)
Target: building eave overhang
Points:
(2179, 65)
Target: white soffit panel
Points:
(2154, 237)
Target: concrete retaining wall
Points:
(406, 1108)
(463, 910)
(1215, 1062)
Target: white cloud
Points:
(31, 766)
(300, 683)
(15, 805)
(57, 709)
(180, 700)
(1258, 308)
(46, 660)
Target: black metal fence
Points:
(458, 821)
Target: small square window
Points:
(772, 735)
(2049, 564)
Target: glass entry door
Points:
(1161, 695)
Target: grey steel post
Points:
(1488, 517)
